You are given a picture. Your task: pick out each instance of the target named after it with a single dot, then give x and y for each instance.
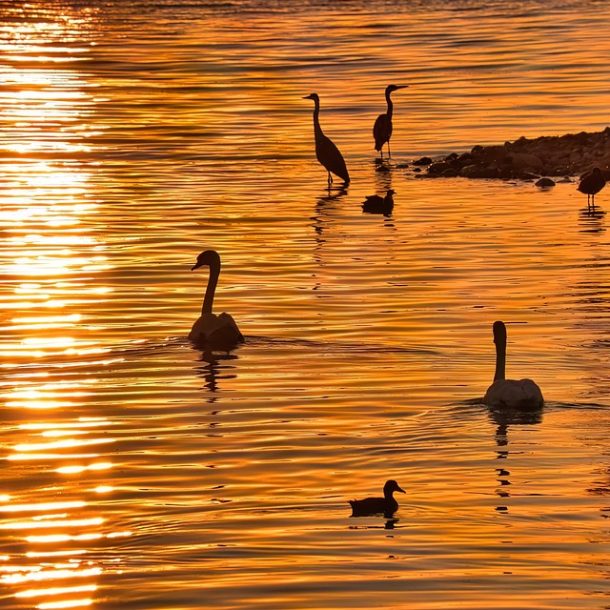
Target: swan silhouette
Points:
(382, 129)
(326, 151)
(510, 393)
(374, 204)
(373, 506)
(211, 330)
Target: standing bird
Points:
(211, 330)
(382, 130)
(373, 506)
(374, 204)
(326, 151)
(592, 183)
(509, 393)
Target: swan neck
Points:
(208, 299)
(500, 359)
(388, 99)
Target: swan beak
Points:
(398, 488)
(307, 97)
(195, 266)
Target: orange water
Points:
(139, 472)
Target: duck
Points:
(592, 183)
(373, 506)
(374, 204)
(522, 394)
(211, 330)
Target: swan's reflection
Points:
(503, 419)
(214, 366)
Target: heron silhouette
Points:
(592, 183)
(382, 130)
(326, 151)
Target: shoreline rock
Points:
(527, 159)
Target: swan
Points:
(374, 204)
(372, 506)
(382, 129)
(213, 330)
(327, 152)
(510, 393)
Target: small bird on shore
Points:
(374, 204)
(373, 506)
(510, 393)
(382, 129)
(326, 152)
(592, 183)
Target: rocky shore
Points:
(526, 159)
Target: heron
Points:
(592, 183)
(382, 130)
(326, 151)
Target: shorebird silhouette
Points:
(326, 151)
(211, 330)
(510, 393)
(592, 183)
(382, 129)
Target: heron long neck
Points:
(316, 119)
(500, 359)
(388, 99)
(208, 299)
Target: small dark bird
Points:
(592, 183)
(326, 151)
(373, 506)
(519, 394)
(374, 204)
(382, 130)
(211, 330)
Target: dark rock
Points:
(480, 171)
(438, 168)
(402, 165)
(545, 183)
(417, 169)
(423, 161)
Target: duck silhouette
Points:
(374, 204)
(374, 506)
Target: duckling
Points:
(372, 506)
(374, 204)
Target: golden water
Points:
(139, 472)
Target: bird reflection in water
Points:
(591, 220)
(215, 365)
(503, 418)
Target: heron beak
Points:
(402, 86)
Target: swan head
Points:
(391, 486)
(312, 96)
(208, 258)
(391, 88)
(499, 330)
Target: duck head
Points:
(390, 487)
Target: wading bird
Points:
(211, 330)
(592, 183)
(374, 204)
(373, 506)
(326, 151)
(510, 393)
(382, 130)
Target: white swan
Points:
(211, 330)
(510, 393)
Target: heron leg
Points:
(330, 179)
(389, 151)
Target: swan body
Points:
(326, 152)
(374, 204)
(522, 394)
(211, 330)
(592, 183)
(373, 506)
(382, 129)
